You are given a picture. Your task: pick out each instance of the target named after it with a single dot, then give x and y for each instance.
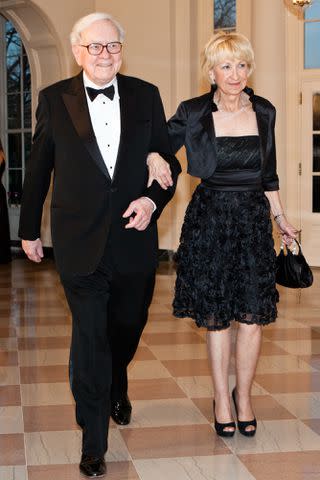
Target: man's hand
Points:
(159, 170)
(33, 249)
(143, 209)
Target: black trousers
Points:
(109, 312)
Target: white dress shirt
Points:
(106, 123)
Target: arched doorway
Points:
(41, 49)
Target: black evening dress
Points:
(5, 255)
(226, 257)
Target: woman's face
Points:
(230, 76)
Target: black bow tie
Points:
(93, 92)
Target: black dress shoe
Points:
(121, 411)
(92, 467)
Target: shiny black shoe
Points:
(121, 411)
(243, 425)
(220, 428)
(92, 467)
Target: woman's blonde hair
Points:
(224, 45)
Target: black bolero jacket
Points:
(192, 126)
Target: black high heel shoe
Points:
(242, 425)
(220, 427)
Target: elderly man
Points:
(94, 131)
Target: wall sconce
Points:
(301, 3)
(297, 7)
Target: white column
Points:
(269, 78)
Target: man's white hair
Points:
(87, 21)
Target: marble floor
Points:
(171, 435)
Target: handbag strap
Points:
(296, 248)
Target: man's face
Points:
(100, 69)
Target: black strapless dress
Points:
(226, 257)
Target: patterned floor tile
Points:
(13, 473)
(302, 405)
(312, 360)
(180, 351)
(265, 408)
(154, 389)
(282, 364)
(115, 471)
(9, 376)
(43, 343)
(11, 420)
(175, 441)
(283, 466)
(46, 394)
(171, 435)
(313, 423)
(302, 347)
(10, 395)
(12, 449)
(217, 467)
(40, 358)
(147, 369)
(289, 382)
(178, 411)
(47, 374)
(6, 332)
(292, 333)
(144, 353)
(187, 368)
(174, 338)
(276, 436)
(48, 418)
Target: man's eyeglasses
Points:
(97, 48)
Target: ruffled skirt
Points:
(226, 260)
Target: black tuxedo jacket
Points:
(192, 126)
(86, 205)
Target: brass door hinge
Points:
(300, 98)
(300, 169)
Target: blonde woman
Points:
(226, 257)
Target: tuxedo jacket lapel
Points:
(127, 117)
(76, 104)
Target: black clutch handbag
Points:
(292, 269)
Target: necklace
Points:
(231, 112)
(243, 104)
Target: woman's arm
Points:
(287, 230)
(159, 169)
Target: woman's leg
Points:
(248, 346)
(219, 348)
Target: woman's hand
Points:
(159, 170)
(288, 231)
